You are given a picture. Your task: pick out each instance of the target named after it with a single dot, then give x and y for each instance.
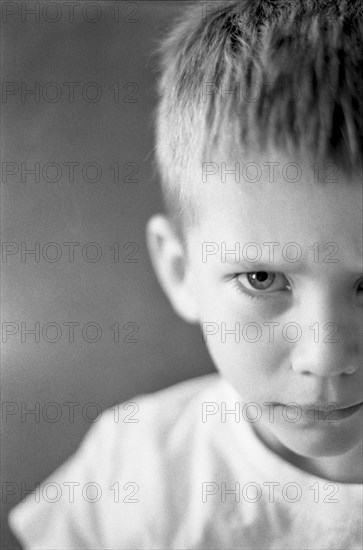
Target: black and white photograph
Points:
(181, 275)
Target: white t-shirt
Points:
(177, 480)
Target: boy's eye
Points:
(259, 281)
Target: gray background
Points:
(105, 212)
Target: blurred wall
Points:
(91, 114)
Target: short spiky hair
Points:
(296, 68)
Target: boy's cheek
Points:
(253, 368)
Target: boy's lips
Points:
(328, 412)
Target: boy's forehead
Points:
(275, 196)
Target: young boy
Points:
(259, 132)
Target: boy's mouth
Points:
(329, 412)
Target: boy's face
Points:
(286, 328)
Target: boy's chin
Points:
(310, 442)
(320, 446)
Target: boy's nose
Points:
(331, 342)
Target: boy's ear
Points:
(169, 259)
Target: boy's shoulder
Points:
(182, 394)
(158, 418)
(177, 398)
(167, 406)
(148, 429)
(133, 474)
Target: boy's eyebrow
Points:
(290, 257)
(260, 265)
(282, 265)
